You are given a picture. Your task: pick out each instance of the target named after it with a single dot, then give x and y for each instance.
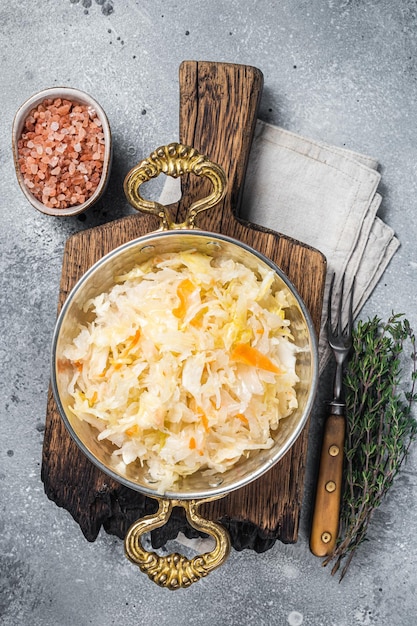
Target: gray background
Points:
(341, 71)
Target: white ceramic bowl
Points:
(80, 97)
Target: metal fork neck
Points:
(337, 408)
(338, 382)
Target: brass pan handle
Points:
(174, 571)
(174, 160)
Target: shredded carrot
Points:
(134, 339)
(192, 445)
(93, 399)
(200, 413)
(133, 430)
(243, 418)
(244, 353)
(184, 290)
(131, 342)
(204, 419)
(205, 422)
(197, 320)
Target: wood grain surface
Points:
(218, 111)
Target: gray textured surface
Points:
(343, 71)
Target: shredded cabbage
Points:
(188, 364)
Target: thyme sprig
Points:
(380, 384)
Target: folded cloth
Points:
(323, 196)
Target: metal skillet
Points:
(175, 571)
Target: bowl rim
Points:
(74, 94)
(265, 465)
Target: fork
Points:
(325, 524)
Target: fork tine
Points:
(339, 327)
(350, 318)
(329, 304)
(337, 330)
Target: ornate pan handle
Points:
(174, 160)
(174, 570)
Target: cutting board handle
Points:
(219, 105)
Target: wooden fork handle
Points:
(325, 524)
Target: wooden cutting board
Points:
(218, 112)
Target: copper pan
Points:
(175, 571)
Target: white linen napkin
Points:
(323, 196)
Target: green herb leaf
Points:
(380, 384)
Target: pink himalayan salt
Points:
(64, 168)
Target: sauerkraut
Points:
(189, 364)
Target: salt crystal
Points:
(77, 147)
(54, 126)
